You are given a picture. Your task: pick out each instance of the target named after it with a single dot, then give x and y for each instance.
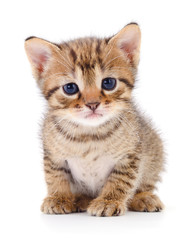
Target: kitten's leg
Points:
(60, 200)
(119, 187)
(145, 202)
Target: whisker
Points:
(128, 123)
(52, 125)
(69, 68)
(66, 61)
(120, 68)
(108, 53)
(56, 74)
(111, 60)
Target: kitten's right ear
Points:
(39, 53)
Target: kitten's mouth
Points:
(92, 118)
(93, 115)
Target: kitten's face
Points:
(87, 81)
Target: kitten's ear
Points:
(128, 40)
(40, 53)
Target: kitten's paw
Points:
(81, 202)
(146, 202)
(106, 208)
(57, 205)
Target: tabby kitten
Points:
(100, 154)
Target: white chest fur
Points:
(90, 173)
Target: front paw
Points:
(57, 205)
(81, 202)
(106, 208)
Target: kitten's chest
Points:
(90, 173)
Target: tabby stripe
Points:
(149, 187)
(101, 63)
(117, 172)
(51, 91)
(126, 82)
(81, 67)
(48, 183)
(46, 153)
(121, 190)
(130, 175)
(120, 180)
(133, 166)
(52, 166)
(123, 99)
(47, 171)
(102, 92)
(95, 158)
(87, 137)
(73, 54)
(98, 50)
(62, 169)
(86, 153)
(64, 102)
(117, 94)
(107, 40)
(87, 66)
(123, 182)
(79, 96)
(146, 188)
(133, 157)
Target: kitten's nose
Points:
(93, 105)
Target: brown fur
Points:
(128, 138)
(145, 202)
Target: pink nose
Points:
(93, 105)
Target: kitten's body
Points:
(113, 157)
(88, 162)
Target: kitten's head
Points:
(88, 80)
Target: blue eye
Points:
(70, 88)
(109, 83)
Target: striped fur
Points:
(103, 164)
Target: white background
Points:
(164, 92)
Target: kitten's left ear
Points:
(128, 40)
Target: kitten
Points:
(100, 154)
